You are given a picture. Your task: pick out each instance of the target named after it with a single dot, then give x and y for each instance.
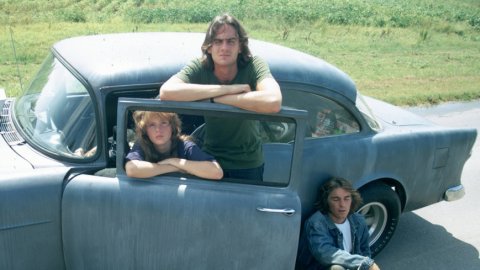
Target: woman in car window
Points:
(160, 148)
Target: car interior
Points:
(277, 137)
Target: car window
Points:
(56, 113)
(325, 116)
(275, 143)
(367, 113)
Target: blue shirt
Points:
(321, 244)
(186, 150)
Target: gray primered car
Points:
(66, 202)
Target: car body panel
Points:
(393, 115)
(120, 223)
(14, 163)
(154, 57)
(30, 225)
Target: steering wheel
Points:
(198, 134)
(279, 131)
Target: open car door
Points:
(183, 222)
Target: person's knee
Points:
(336, 267)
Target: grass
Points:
(404, 52)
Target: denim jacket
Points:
(321, 244)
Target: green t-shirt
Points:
(234, 143)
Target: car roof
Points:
(110, 60)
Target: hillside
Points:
(405, 52)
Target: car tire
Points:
(381, 209)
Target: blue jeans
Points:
(246, 174)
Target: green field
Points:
(404, 52)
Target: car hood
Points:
(11, 161)
(394, 115)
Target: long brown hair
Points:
(226, 19)
(332, 184)
(142, 118)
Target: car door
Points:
(30, 228)
(182, 222)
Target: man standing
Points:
(228, 73)
(335, 237)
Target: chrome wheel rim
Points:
(376, 216)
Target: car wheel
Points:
(381, 209)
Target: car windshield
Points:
(367, 113)
(56, 113)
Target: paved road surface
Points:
(445, 235)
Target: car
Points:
(67, 203)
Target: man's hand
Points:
(374, 267)
(178, 90)
(238, 88)
(266, 99)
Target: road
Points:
(445, 235)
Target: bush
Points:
(475, 22)
(379, 13)
(72, 15)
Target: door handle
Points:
(285, 211)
